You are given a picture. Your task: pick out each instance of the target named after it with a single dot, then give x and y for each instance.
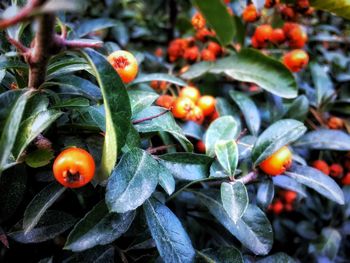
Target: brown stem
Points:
(150, 118)
(20, 47)
(76, 43)
(160, 148)
(252, 176)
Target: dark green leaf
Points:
(141, 99)
(323, 84)
(248, 108)
(198, 69)
(289, 183)
(166, 180)
(75, 102)
(277, 258)
(98, 227)
(220, 255)
(39, 204)
(275, 137)
(117, 109)
(339, 7)
(235, 200)
(327, 244)
(133, 181)
(159, 77)
(227, 154)
(299, 109)
(39, 158)
(318, 181)
(265, 194)
(92, 25)
(171, 239)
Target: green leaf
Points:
(141, 99)
(338, 7)
(221, 254)
(327, 244)
(222, 129)
(325, 139)
(318, 181)
(10, 130)
(98, 227)
(159, 77)
(39, 158)
(217, 16)
(132, 182)
(253, 230)
(99, 254)
(289, 183)
(117, 109)
(166, 180)
(32, 127)
(277, 258)
(323, 84)
(235, 200)
(164, 123)
(187, 166)
(227, 154)
(39, 204)
(7, 98)
(249, 109)
(51, 224)
(250, 65)
(75, 102)
(91, 25)
(275, 137)
(62, 5)
(265, 194)
(172, 241)
(198, 69)
(299, 109)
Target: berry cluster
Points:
(339, 171)
(284, 202)
(292, 34)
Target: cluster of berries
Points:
(284, 202)
(195, 48)
(335, 123)
(189, 105)
(339, 171)
(292, 34)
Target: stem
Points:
(150, 118)
(160, 148)
(252, 176)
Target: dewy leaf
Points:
(325, 139)
(250, 65)
(327, 244)
(289, 183)
(158, 77)
(173, 243)
(275, 137)
(217, 16)
(227, 154)
(32, 127)
(198, 69)
(40, 203)
(141, 99)
(253, 230)
(234, 198)
(318, 181)
(323, 84)
(223, 128)
(10, 130)
(91, 25)
(166, 180)
(221, 254)
(117, 109)
(164, 123)
(338, 7)
(98, 227)
(249, 109)
(265, 194)
(276, 258)
(132, 182)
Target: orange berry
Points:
(289, 26)
(190, 92)
(256, 44)
(296, 60)
(207, 104)
(158, 85)
(278, 36)
(263, 33)
(198, 21)
(204, 34)
(297, 37)
(277, 207)
(288, 207)
(191, 54)
(278, 162)
(302, 5)
(271, 3)
(181, 107)
(125, 64)
(165, 101)
(214, 47)
(200, 146)
(159, 52)
(321, 166)
(184, 69)
(250, 14)
(335, 123)
(288, 13)
(290, 196)
(177, 48)
(336, 170)
(207, 55)
(195, 115)
(346, 179)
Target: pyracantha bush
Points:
(174, 131)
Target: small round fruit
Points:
(200, 146)
(198, 21)
(336, 170)
(297, 37)
(125, 64)
(277, 207)
(250, 14)
(181, 107)
(74, 167)
(290, 196)
(335, 123)
(214, 47)
(296, 60)
(278, 162)
(278, 36)
(159, 85)
(195, 115)
(191, 53)
(271, 3)
(346, 179)
(190, 92)
(207, 104)
(208, 55)
(263, 33)
(165, 101)
(321, 166)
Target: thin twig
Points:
(160, 148)
(150, 118)
(18, 45)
